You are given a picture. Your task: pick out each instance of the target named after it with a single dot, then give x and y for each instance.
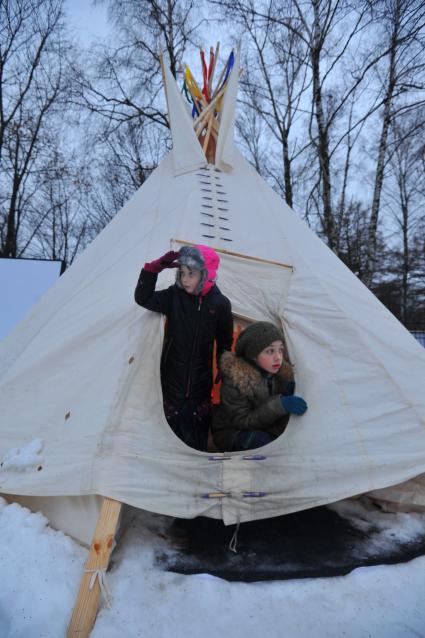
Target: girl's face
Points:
(270, 359)
(189, 279)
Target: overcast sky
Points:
(87, 22)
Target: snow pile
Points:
(383, 602)
(382, 527)
(24, 459)
(40, 575)
(41, 571)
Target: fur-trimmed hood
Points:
(246, 377)
(204, 259)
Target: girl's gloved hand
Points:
(169, 260)
(293, 404)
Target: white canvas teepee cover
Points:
(81, 372)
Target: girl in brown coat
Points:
(257, 392)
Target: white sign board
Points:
(22, 283)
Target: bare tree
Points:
(128, 157)
(353, 225)
(403, 83)
(127, 82)
(274, 90)
(123, 91)
(58, 227)
(250, 129)
(403, 193)
(319, 39)
(33, 85)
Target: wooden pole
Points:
(220, 78)
(86, 606)
(230, 252)
(208, 133)
(199, 123)
(194, 89)
(210, 81)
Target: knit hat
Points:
(201, 258)
(255, 338)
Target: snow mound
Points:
(24, 459)
(41, 571)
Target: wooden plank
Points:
(86, 606)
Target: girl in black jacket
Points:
(197, 313)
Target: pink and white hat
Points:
(201, 258)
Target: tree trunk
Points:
(406, 253)
(322, 145)
(287, 172)
(382, 151)
(10, 245)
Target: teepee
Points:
(79, 377)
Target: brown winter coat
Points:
(246, 402)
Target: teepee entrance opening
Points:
(253, 303)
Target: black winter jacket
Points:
(193, 324)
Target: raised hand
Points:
(169, 260)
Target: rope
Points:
(234, 540)
(100, 574)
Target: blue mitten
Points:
(293, 404)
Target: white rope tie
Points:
(234, 540)
(100, 574)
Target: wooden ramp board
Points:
(310, 544)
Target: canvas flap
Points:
(224, 157)
(187, 151)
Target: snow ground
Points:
(41, 570)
